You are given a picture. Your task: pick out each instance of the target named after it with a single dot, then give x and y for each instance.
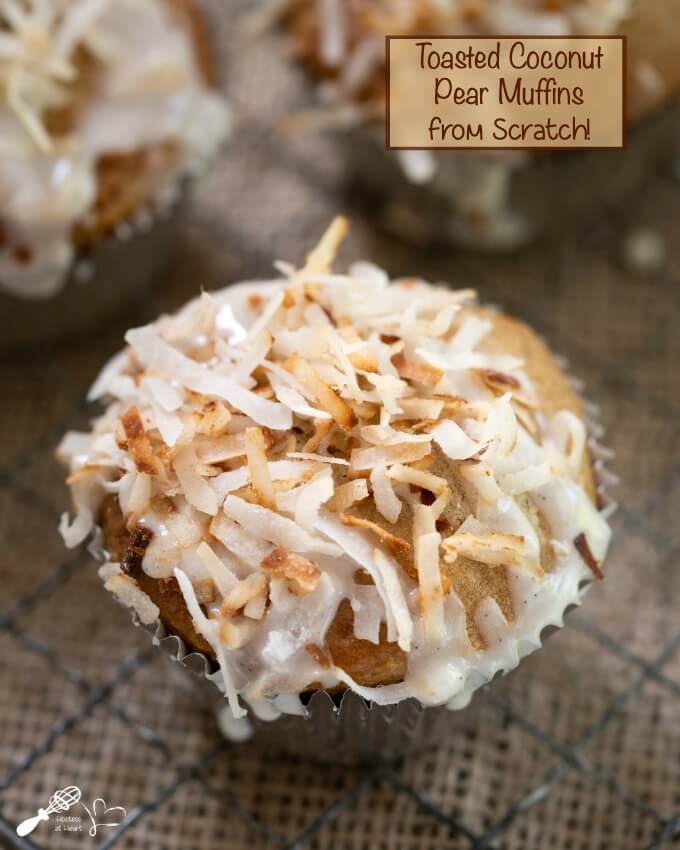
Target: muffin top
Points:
(337, 480)
(343, 41)
(102, 106)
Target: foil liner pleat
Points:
(340, 729)
(347, 728)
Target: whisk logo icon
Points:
(99, 814)
(60, 801)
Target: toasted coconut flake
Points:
(281, 531)
(210, 631)
(363, 360)
(126, 591)
(245, 546)
(498, 382)
(420, 478)
(220, 573)
(259, 470)
(85, 494)
(570, 435)
(163, 393)
(526, 419)
(155, 353)
(197, 490)
(396, 544)
(385, 435)
(365, 409)
(431, 592)
(493, 549)
(296, 402)
(138, 443)
(293, 471)
(326, 396)
(362, 459)
(348, 493)
(582, 547)
(140, 494)
(421, 408)
(320, 259)
(255, 608)
(455, 361)
(415, 370)
(242, 593)
(311, 497)
(301, 573)
(503, 425)
(453, 441)
(322, 428)
(342, 361)
(226, 447)
(368, 608)
(386, 500)
(530, 478)
(205, 470)
(481, 477)
(319, 458)
(393, 591)
(235, 633)
(214, 418)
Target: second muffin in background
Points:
(105, 110)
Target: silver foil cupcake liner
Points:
(343, 729)
(346, 728)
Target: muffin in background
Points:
(489, 199)
(105, 111)
(337, 482)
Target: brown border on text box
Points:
(624, 92)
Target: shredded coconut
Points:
(270, 514)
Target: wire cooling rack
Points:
(581, 752)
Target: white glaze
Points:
(274, 661)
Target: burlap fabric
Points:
(583, 751)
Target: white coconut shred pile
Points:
(128, 71)
(244, 433)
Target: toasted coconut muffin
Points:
(103, 108)
(342, 45)
(343, 42)
(340, 481)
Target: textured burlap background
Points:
(583, 752)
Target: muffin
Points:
(104, 111)
(494, 199)
(340, 482)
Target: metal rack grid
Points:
(582, 752)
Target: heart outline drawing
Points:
(100, 803)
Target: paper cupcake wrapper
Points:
(348, 729)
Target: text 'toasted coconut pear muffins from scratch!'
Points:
(106, 110)
(340, 482)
